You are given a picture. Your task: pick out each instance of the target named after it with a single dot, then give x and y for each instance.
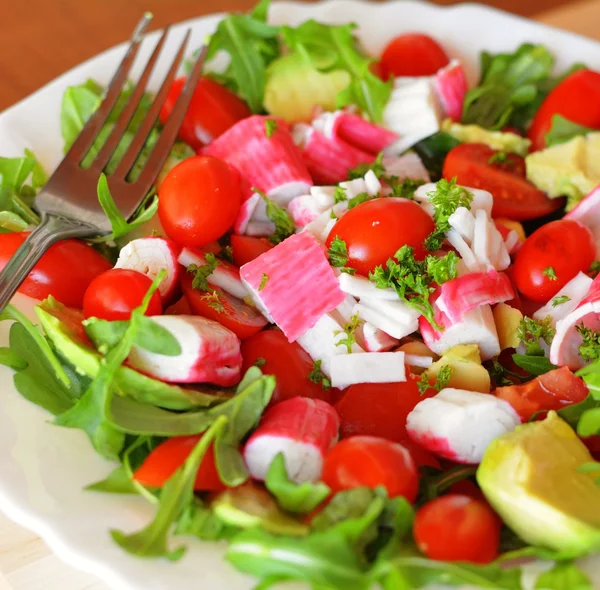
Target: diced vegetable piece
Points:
(360, 287)
(467, 371)
(507, 321)
(304, 210)
(588, 213)
(505, 141)
(367, 367)
(377, 340)
(451, 85)
(395, 318)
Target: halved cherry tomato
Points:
(288, 361)
(371, 461)
(514, 196)
(65, 270)
(551, 391)
(239, 317)
(246, 248)
(457, 528)
(114, 294)
(551, 256)
(412, 54)
(576, 98)
(199, 200)
(170, 455)
(212, 111)
(421, 457)
(379, 409)
(374, 231)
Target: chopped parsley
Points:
(349, 330)
(260, 361)
(531, 332)
(589, 349)
(332, 214)
(339, 195)
(213, 300)
(284, 226)
(559, 300)
(358, 200)
(377, 167)
(594, 268)
(404, 188)
(550, 273)
(442, 379)
(263, 281)
(317, 376)
(270, 127)
(443, 269)
(446, 199)
(338, 255)
(201, 273)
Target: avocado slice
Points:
(530, 476)
(497, 140)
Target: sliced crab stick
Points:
(406, 166)
(210, 353)
(302, 429)
(588, 213)
(451, 87)
(459, 425)
(367, 367)
(151, 255)
(376, 340)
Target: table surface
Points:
(67, 32)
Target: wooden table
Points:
(61, 33)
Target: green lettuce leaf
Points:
(563, 130)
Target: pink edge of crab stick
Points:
(587, 212)
(210, 353)
(451, 86)
(459, 425)
(294, 283)
(304, 210)
(462, 294)
(327, 159)
(151, 255)
(302, 429)
(377, 340)
(245, 214)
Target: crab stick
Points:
(367, 367)
(376, 340)
(451, 87)
(588, 213)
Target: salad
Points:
(353, 331)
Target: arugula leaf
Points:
(200, 521)
(589, 423)
(563, 130)
(534, 364)
(589, 349)
(317, 376)
(9, 358)
(16, 197)
(563, 576)
(433, 151)
(177, 494)
(298, 498)
(572, 414)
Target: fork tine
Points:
(132, 153)
(125, 117)
(95, 123)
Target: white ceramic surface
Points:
(43, 468)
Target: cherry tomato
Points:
(212, 111)
(551, 391)
(167, 457)
(514, 196)
(288, 361)
(374, 231)
(421, 457)
(412, 54)
(379, 409)
(576, 98)
(246, 248)
(199, 200)
(371, 461)
(239, 317)
(551, 256)
(114, 294)
(65, 270)
(457, 528)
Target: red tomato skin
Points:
(551, 391)
(576, 98)
(246, 248)
(65, 270)
(167, 457)
(564, 245)
(371, 461)
(457, 527)
(412, 54)
(212, 111)
(239, 317)
(199, 200)
(374, 231)
(514, 196)
(288, 361)
(114, 294)
(421, 457)
(466, 487)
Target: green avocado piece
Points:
(63, 326)
(497, 140)
(530, 476)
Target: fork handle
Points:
(51, 229)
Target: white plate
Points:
(43, 468)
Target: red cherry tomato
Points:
(576, 98)
(114, 294)
(213, 110)
(466, 487)
(457, 528)
(239, 317)
(551, 391)
(288, 361)
(371, 461)
(514, 196)
(199, 200)
(412, 54)
(65, 270)
(551, 256)
(374, 231)
(421, 457)
(169, 456)
(246, 249)
(379, 409)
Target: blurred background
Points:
(39, 39)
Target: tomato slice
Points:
(552, 391)
(514, 196)
(412, 54)
(242, 319)
(246, 248)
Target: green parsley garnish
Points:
(404, 188)
(560, 299)
(213, 300)
(550, 273)
(442, 379)
(358, 200)
(260, 362)
(531, 331)
(263, 281)
(332, 215)
(284, 226)
(338, 255)
(317, 376)
(201, 273)
(591, 467)
(270, 127)
(443, 269)
(226, 253)
(589, 349)
(339, 195)
(594, 268)
(377, 167)
(349, 330)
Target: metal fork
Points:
(68, 203)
